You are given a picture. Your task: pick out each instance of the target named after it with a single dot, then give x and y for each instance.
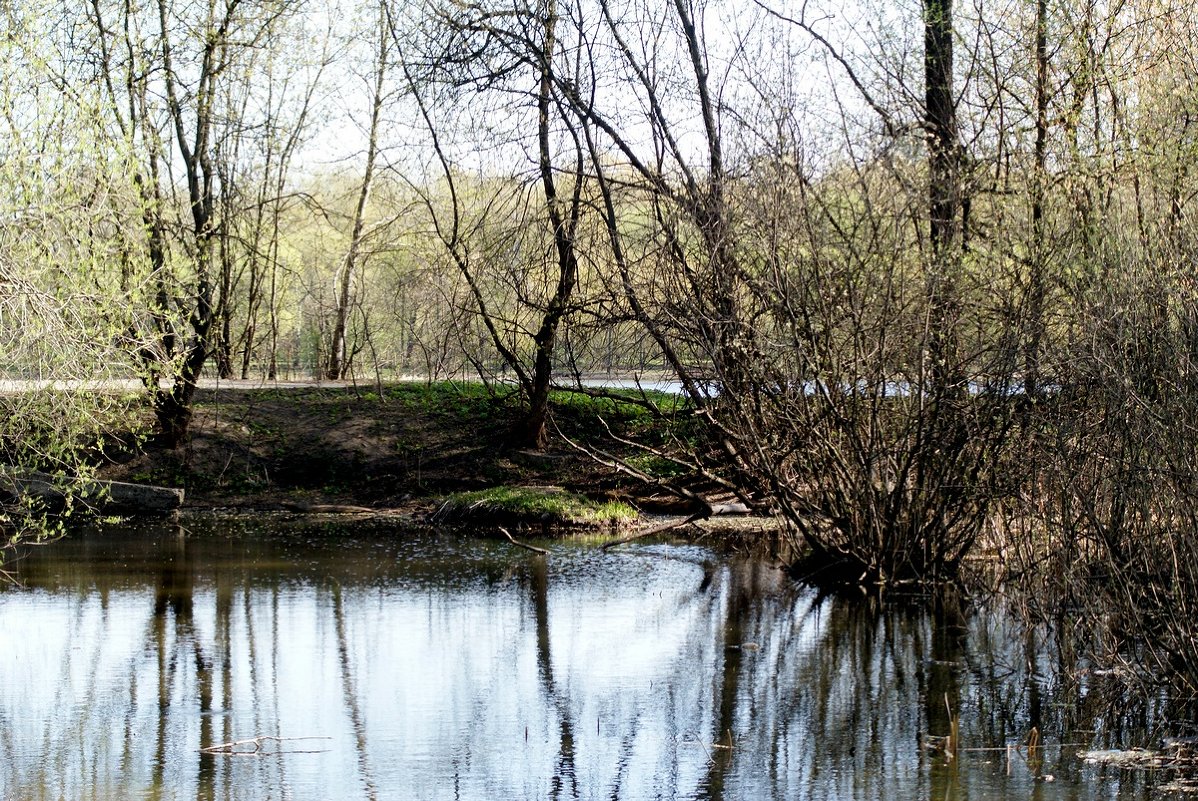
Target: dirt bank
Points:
(308, 447)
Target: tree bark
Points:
(172, 406)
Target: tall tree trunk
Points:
(944, 190)
(223, 349)
(338, 363)
(1035, 333)
(172, 406)
(531, 431)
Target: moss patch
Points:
(551, 506)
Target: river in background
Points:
(400, 665)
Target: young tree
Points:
(515, 51)
(339, 356)
(191, 89)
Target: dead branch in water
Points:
(659, 528)
(523, 545)
(235, 747)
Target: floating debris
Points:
(1180, 786)
(1124, 758)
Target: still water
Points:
(399, 665)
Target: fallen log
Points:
(115, 496)
(651, 530)
(708, 511)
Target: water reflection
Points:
(439, 668)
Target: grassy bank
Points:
(408, 446)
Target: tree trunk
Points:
(172, 408)
(530, 432)
(941, 123)
(224, 311)
(1035, 334)
(944, 194)
(338, 349)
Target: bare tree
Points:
(781, 297)
(527, 36)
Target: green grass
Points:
(657, 467)
(532, 505)
(453, 399)
(576, 413)
(623, 403)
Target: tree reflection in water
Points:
(442, 667)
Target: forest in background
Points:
(924, 272)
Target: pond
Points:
(399, 665)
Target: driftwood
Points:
(109, 495)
